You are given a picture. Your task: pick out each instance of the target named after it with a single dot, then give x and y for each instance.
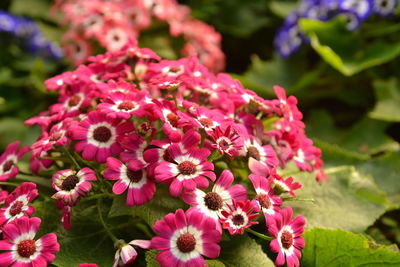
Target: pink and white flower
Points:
(287, 242)
(127, 252)
(226, 141)
(238, 217)
(281, 185)
(9, 159)
(70, 185)
(185, 238)
(23, 249)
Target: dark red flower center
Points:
(213, 201)
(74, 100)
(264, 200)
(8, 165)
(26, 248)
(173, 119)
(206, 122)
(223, 144)
(187, 168)
(175, 69)
(238, 219)
(16, 208)
(55, 136)
(254, 153)
(166, 156)
(186, 243)
(134, 176)
(286, 239)
(102, 134)
(126, 105)
(70, 182)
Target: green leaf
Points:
(349, 200)
(346, 54)
(388, 100)
(32, 8)
(340, 248)
(243, 251)
(155, 210)
(151, 258)
(282, 9)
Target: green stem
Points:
(10, 184)
(37, 180)
(298, 199)
(112, 236)
(71, 158)
(257, 234)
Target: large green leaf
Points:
(347, 54)
(387, 107)
(340, 248)
(349, 201)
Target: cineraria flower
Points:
(71, 184)
(281, 185)
(266, 199)
(186, 171)
(3, 196)
(23, 249)
(287, 242)
(238, 217)
(99, 136)
(141, 189)
(127, 252)
(17, 203)
(8, 160)
(385, 7)
(212, 203)
(225, 141)
(184, 238)
(120, 105)
(134, 146)
(362, 8)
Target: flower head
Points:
(8, 160)
(238, 217)
(127, 252)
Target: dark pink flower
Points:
(226, 141)
(9, 159)
(238, 217)
(281, 185)
(127, 252)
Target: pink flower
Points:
(127, 252)
(99, 136)
(184, 238)
(267, 201)
(3, 196)
(140, 188)
(287, 242)
(225, 141)
(281, 185)
(17, 203)
(186, 171)
(87, 265)
(238, 217)
(70, 185)
(212, 203)
(134, 146)
(8, 160)
(23, 249)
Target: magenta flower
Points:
(185, 238)
(238, 217)
(70, 185)
(8, 160)
(140, 188)
(287, 242)
(186, 171)
(99, 136)
(127, 252)
(23, 249)
(16, 204)
(281, 185)
(226, 141)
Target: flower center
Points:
(187, 168)
(70, 182)
(126, 105)
(16, 208)
(173, 119)
(223, 144)
(286, 239)
(264, 201)
(186, 243)
(74, 100)
(134, 176)
(102, 134)
(55, 136)
(166, 156)
(206, 122)
(213, 201)
(238, 219)
(7, 166)
(254, 153)
(26, 248)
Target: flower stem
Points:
(10, 184)
(257, 234)
(298, 199)
(112, 236)
(71, 158)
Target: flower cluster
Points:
(289, 37)
(112, 23)
(26, 32)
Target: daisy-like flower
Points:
(120, 105)
(225, 141)
(140, 188)
(238, 217)
(8, 160)
(186, 171)
(127, 252)
(281, 185)
(23, 249)
(212, 203)
(287, 242)
(267, 201)
(17, 203)
(385, 7)
(185, 238)
(71, 184)
(134, 146)
(99, 136)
